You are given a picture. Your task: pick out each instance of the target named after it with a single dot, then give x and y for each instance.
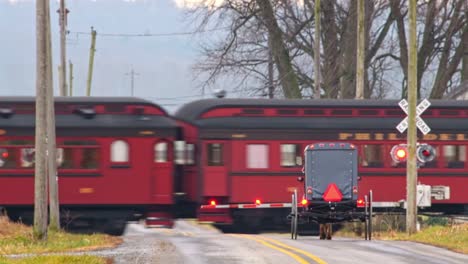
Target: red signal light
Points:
(332, 194)
(213, 202)
(399, 153)
(258, 202)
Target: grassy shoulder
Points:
(18, 239)
(56, 260)
(453, 237)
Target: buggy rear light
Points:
(355, 189)
(213, 202)
(5, 154)
(304, 202)
(352, 146)
(332, 144)
(360, 203)
(258, 202)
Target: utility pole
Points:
(91, 60)
(54, 217)
(360, 50)
(40, 180)
(317, 50)
(63, 60)
(271, 71)
(71, 79)
(411, 169)
(132, 74)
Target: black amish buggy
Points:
(330, 190)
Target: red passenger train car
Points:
(251, 151)
(115, 161)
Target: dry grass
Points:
(453, 237)
(17, 238)
(57, 260)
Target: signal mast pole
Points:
(411, 168)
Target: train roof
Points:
(77, 99)
(194, 110)
(13, 114)
(94, 100)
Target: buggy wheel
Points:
(366, 217)
(294, 216)
(369, 221)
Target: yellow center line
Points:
(305, 253)
(265, 243)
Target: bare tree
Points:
(243, 54)
(440, 42)
(40, 183)
(280, 52)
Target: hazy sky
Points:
(162, 62)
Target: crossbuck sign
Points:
(423, 127)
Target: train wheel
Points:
(294, 216)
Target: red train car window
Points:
(160, 152)
(257, 156)
(291, 155)
(190, 154)
(119, 151)
(372, 156)
(215, 154)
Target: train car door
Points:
(161, 173)
(215, 168)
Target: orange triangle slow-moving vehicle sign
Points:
(332, 194)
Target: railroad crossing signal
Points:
(423, 127)
(424, 153)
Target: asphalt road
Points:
(190, 242)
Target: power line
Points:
(148, 34)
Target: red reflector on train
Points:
(332, 194)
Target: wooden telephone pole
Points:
(40, 180)
(360, 50)
(91, 60)
(317, 50)
(132, 74)
(63, 60)
(411, 168)
(70, 82)
(51, 163)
